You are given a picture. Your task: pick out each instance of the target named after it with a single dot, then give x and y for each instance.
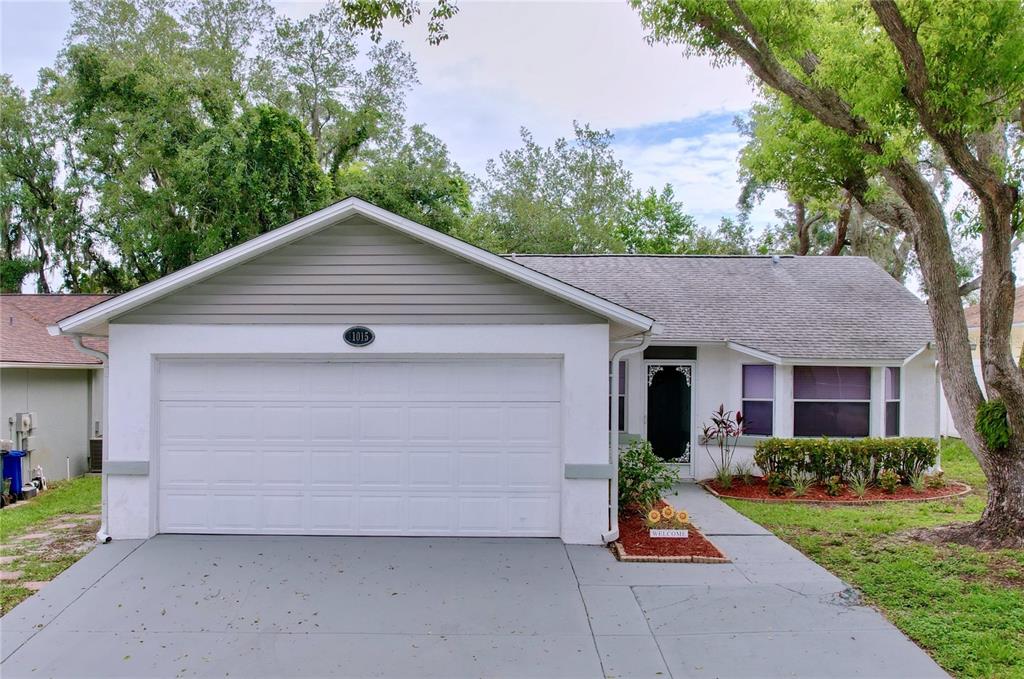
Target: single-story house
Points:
(355, 373)
(46, 376)
(972, 314)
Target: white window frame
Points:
(835, 400)
(772, 400)
(887, 401)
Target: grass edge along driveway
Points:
(964, 606)
(66, 515)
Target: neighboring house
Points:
(973, 316)
(49, 377)
(356, 373)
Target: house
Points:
(48, 377)
(973, 316)
(356, 373)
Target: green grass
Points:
(77, 496)
(42, 560)
(964, 606)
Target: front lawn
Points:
(41, 537)
(964, 606)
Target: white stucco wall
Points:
(134, 350)
(61, 400)
(718, 379)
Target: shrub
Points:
(859, 482)
(825, 458)
(723, 433)
(834, 485)
(801, 482)
(889, 480)
(776, 483)
(935, 481)
(745, 472)
(643, 476)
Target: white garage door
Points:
(419, 447)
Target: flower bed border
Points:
(621, 555)
(964, 489)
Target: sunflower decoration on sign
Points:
(667, 517)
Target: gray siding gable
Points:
(357, 271)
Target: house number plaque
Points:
(358, 336)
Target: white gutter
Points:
(938, 417)
(613, 438)
(102, 536)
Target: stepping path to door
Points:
(264, 606)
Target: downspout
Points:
(102, 536)
(613, 436)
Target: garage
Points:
(360, 447)
(356, 373)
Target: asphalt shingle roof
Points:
(826, 308)
(25, 339)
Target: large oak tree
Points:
(898, 78)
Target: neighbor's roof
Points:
(24, 338)
(973, 312)
(824, 308)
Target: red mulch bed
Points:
(636, 541)
(758, 490)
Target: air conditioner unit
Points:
(24, 422)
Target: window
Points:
(831, 401)
(620, 396)
(759, 399)
(892, 401)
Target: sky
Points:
(539, 65)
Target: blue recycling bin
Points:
(12, 470)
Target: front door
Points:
(670, 412)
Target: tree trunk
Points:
(802, 228)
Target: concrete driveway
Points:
(415, 607)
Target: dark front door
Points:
(669, 388)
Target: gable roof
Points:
(24, 340)
(973, 312)
(789, 308)
(94, 320)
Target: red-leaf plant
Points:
(723, 432)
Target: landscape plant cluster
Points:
(858, 463)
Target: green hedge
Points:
(844, 457)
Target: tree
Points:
(901, 81)
(40, 210)
(415, 178)
(569, 197)
(308, 68)
(655, 223)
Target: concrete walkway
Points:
(419, 607)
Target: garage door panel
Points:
(431, 469)
(281, 468)
(333, 423)
(183, 422)
(382, 513)
(183, 466)
(333, 513)
(283, 422)
(332, 468)
(184, 511)
(381, 423)
(284, 513)
(430, 424)
(411, 447)
(479, 424)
